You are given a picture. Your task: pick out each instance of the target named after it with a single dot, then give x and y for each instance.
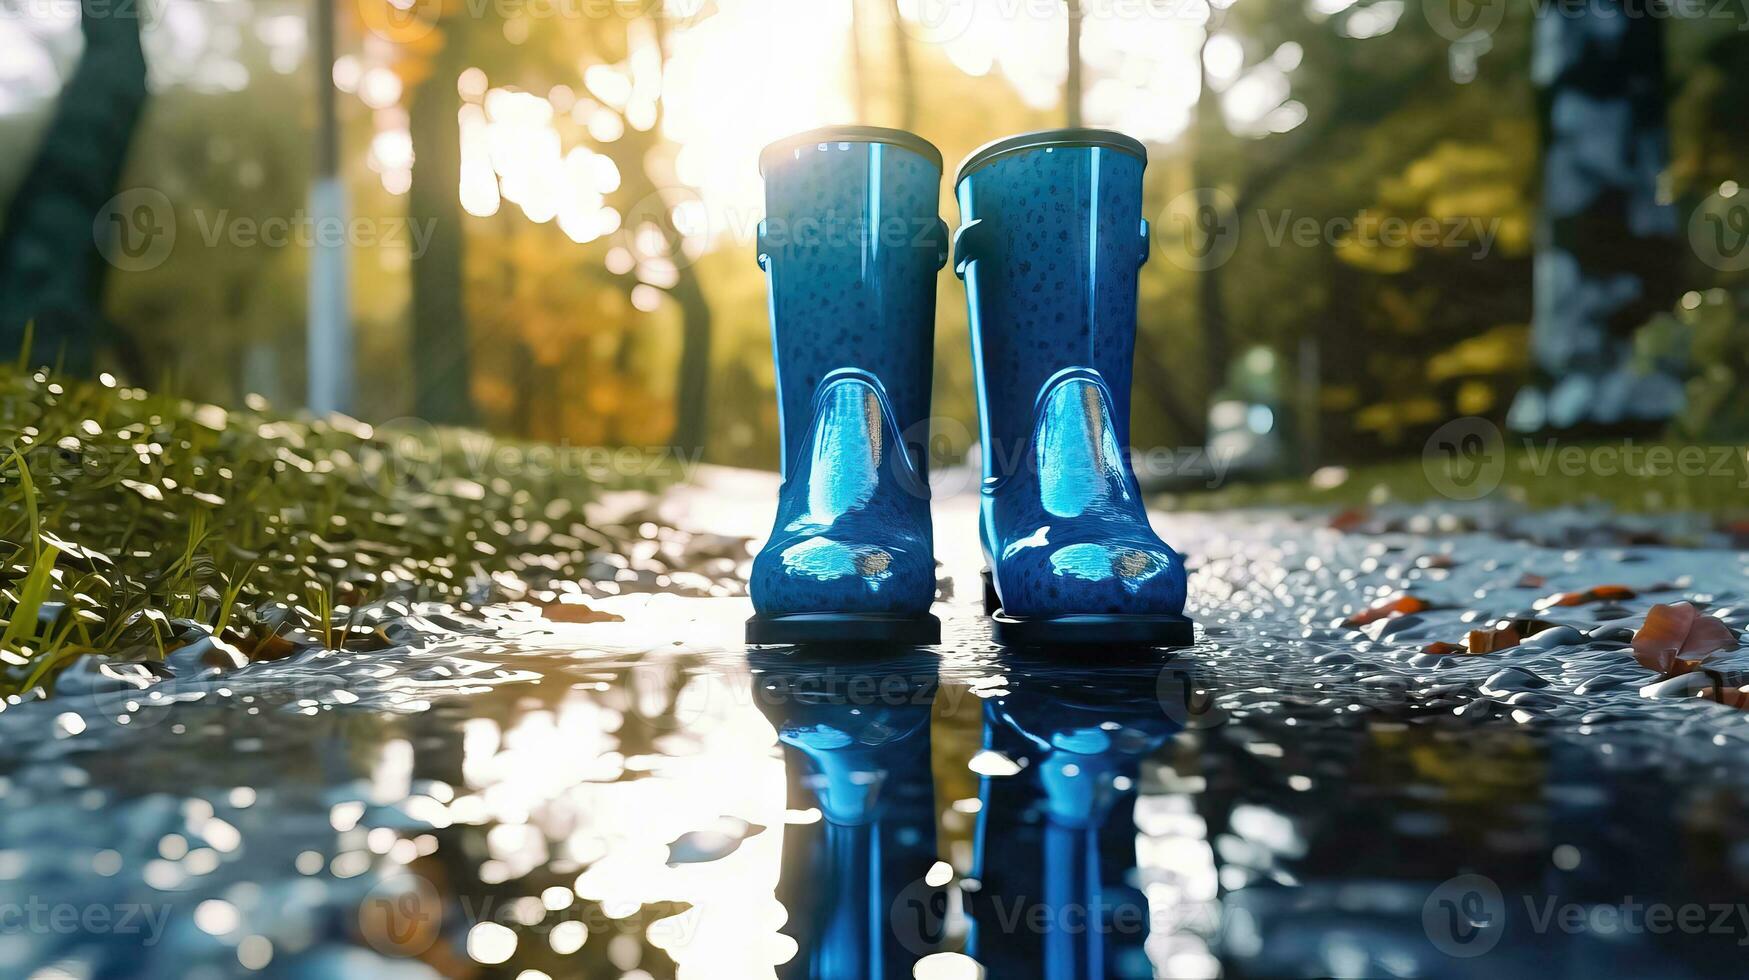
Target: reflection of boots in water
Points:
(855, 736)
(1056, 841)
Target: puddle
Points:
(646, 799)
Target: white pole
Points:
(329, 330)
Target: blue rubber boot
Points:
(850, 245)
(1051, 242)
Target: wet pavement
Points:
(504, 795)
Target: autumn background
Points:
(553, 203)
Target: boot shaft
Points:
(851, 244)
(1050, 244)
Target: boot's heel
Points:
(992, 601)
(843, 629)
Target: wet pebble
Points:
(208, 652)
(1480, 709)
(1613, 632)
(1681, 685)
(1598, 683)
(1393, 626)
(1558, 636)
(1513, 679)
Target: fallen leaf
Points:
(1492, 640)
(1400, 606)
(273, 646)
(1736, 697)
(1677, 637)
(1602, 593)
(1525, 626)
(1349, 519)
(1529, 581)
(1443, 649)
(577, 612)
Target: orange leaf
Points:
(1735, 697)
(1386, 608)
(1602, 593)
(1492, 641)
(1444, 649)
(577, 612)
(1677, 635)
(1349, 519)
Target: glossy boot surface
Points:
(851, 245)
(1050, 245)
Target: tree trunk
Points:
(1606, 246)
(52, 267)
(1211, 299)
(1072, 86)
(858, 67)
(692, 377)
(906, 71)
(439, 334)
(691, 422)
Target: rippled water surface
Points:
(646, 798)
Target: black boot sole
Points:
(1085, 629)
(858, 629)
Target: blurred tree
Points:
(903, 68)
(439, 332)
(1346, 86)
(1073, 88)
(1607, 247)
(52, 263)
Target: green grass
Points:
(133, 520)
(1537, 474)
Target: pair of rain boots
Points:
(1051, 240)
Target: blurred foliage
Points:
(1706, 341)
(1406, 125)
(136, 523)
